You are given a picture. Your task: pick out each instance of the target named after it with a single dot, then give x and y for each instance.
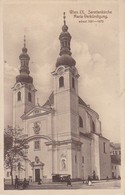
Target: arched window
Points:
(29, 97)
(19, 96)
(93, 126)
(80, 122)
(61, 82)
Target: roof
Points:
(36, 111)
(81, 101)
(103, 137)
(88, 135)
(50, 100)
(115, 145)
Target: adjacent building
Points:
(115, 151)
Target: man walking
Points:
(69, 181)
(16, 182)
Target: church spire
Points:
(65, 38)
(65, 52)
(24, 59)
(24, 68)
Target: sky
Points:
(94, 46)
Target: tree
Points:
(15, 145)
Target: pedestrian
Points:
(107, 178)
(39, 182)
(16, 182)
(24, 183)
(69, 181)
(83, 179)
(89, 180)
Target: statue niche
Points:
(36, 128)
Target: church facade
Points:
(64, 135)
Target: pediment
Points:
(36, 111)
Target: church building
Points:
(64, 135)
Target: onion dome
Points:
(24, 78)
(65, 57)
(24, 68)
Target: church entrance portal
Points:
(37, 175)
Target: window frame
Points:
(104, 147)
(37, 141)
(75, 158)
(80, 122)
(73, 83)
(19, 96)
(93, 127)
(29, 97)
(83, 160)
(8, 173)
(61, 81)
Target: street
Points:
(111, 184)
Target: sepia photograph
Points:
(62, 117)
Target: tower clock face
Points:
(60, 70)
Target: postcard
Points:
(63, 96)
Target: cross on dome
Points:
(64, 17)
(24, 40)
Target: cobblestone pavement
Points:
(112, 184)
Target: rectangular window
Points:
(104, 148)
(75, 159)
(8, 174)
(73, 83)
(82, 159)
(37, 145)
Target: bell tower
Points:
(66, 126)
(65, 79)
(23, 90)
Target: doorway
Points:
(37, 175)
